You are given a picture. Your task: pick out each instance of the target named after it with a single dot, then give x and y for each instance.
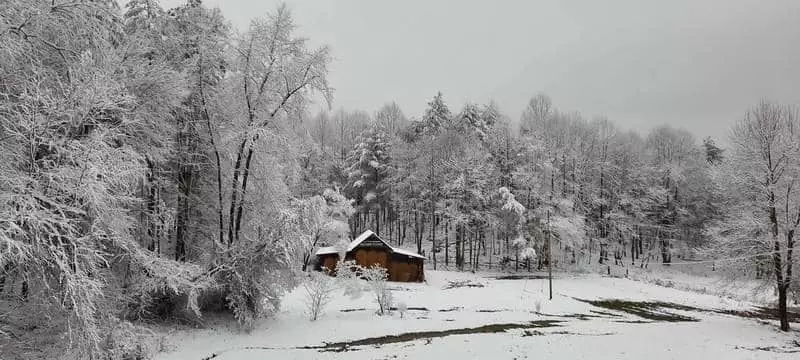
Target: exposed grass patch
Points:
(762, 313)
(455, 308)
(604, 313)
(521, 277)
(411, 336)
(456, 284)
(576, 316)
(354, 345)
(648, 310)
(654, 310)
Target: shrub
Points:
(402, 308)
(347, 277)
(319, 292)
(255, 277)
(376, 276)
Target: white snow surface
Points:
(714, 336)
(406, 252)
(364, 236)
(326, 250)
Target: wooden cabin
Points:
(369, 249)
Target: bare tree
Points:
(391, 117)
(276, 71)
(763, 174)
(539, 110)
(377, 278)
(319, 292)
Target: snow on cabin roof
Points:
(407, 253)
(327, 250)
(364, 236)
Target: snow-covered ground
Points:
(702, 278)
(600, 333)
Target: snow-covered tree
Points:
(391, 118)
(369, 168)
(376, 276)
(320, 220)
(86, 109)
(760, 177)
(536, 114)
(319, 289)
(275, 73)
(437, 115)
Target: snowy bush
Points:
(128, 341)
(319, 292)
(347, 277)
(527, 253)
(402, 308)
(376, 276)
(255, 276)
(518, 244)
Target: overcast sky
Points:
(696, 64)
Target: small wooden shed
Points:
(369, 249)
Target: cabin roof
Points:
(408, 253)
(329, 250)
(364, 236)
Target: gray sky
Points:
(696, 64)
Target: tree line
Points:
(462, 186)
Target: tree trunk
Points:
(433, 229)
(666, 256)
(447, 243)
(563, 175)
(782, 283)
(180, 228)
(573, 176)
(151, 204)
(552, 183)
(216, 155)
(459, 246)
(471, 246)
(416, 232)
(782, 307)
(245, 177)
(378, 220)
(403, 237)
(25, 291)
(235, 190)
(3, 275)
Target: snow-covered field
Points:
(578, 329)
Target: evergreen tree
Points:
(713, 152)
(437, 115)
(369, 167)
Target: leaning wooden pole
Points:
(549, 258)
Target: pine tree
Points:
(437, 115)
(713, 152)
(369, 167)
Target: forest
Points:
(159, 164)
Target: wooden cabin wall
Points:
(400, 269)
(368, 257)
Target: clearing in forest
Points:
(469, 316)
